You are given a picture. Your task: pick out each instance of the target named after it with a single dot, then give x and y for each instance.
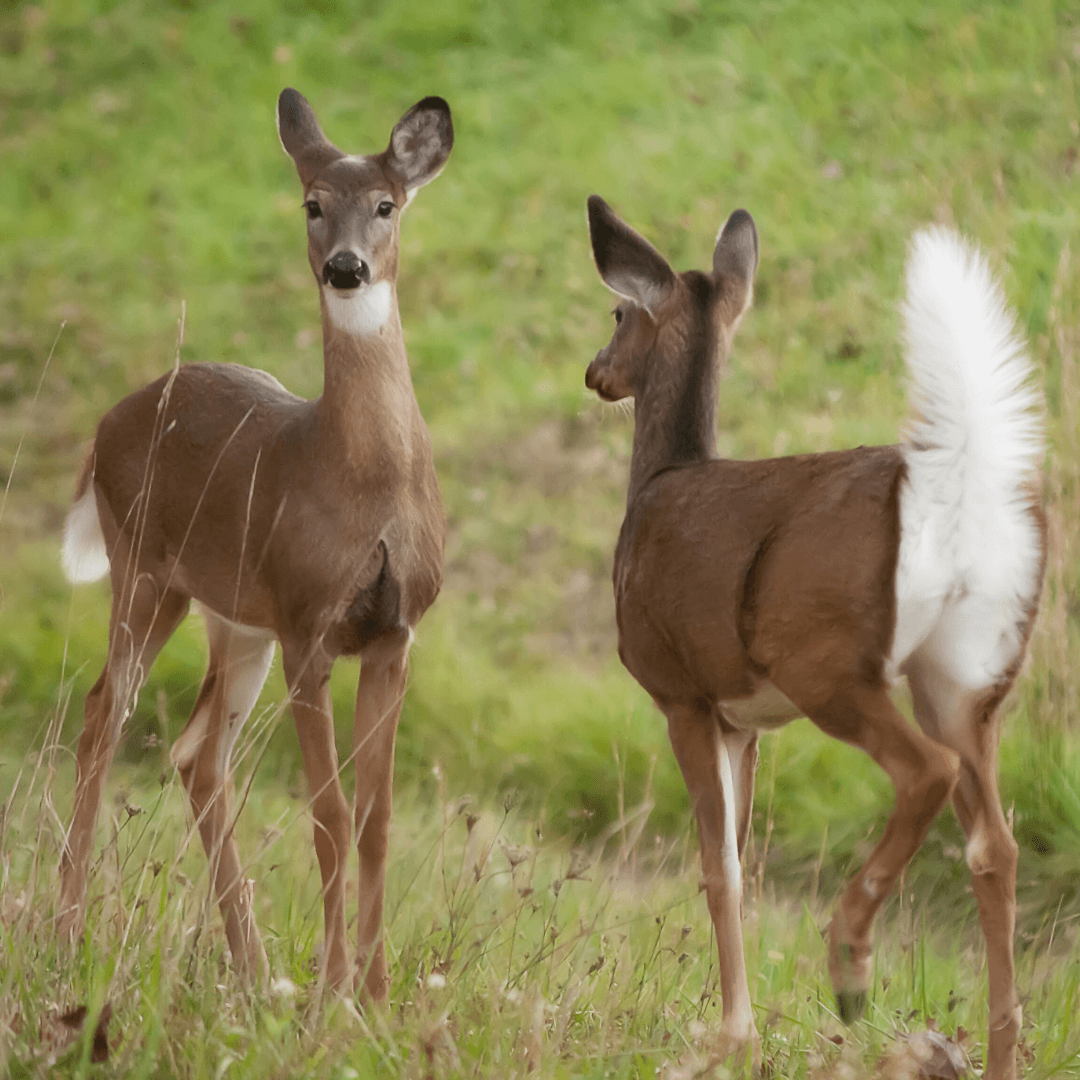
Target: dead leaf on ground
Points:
(924, 1055)
(59, 1033)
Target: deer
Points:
(316, 524)
(750, 593)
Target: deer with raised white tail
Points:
(749, 593)
(317, 524)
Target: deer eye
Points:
(385, 209)
(618, 316)
(314, 210)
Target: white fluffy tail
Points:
(978, 426)
(973, 450)
(84, 557)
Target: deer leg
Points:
(143, 619)
(308, 675)
(707, 768)
(379, 696)
(742, 748)
(923, 774)
(239, 664)
(969, 725)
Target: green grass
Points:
(141, 170)
(512, 953)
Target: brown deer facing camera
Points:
(314, 523)
(749, 593)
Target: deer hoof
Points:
(851, 1004)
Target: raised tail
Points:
(83, 555)
(977, 424)
(969, 524)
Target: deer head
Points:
(660, 311)
(354, 203)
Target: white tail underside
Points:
(970, 549)
(83, 556)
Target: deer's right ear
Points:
(629, 265)
(302, 137)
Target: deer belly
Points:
(766, 708)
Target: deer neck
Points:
(675, 410)
(368, 412)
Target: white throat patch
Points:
(359, 312)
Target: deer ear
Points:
(302, 137)
(421, 142)
(735, 257)
(629, 265)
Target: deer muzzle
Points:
(593, 381)
(346, 270)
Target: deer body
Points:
(726, 624)
(261, 498)
(749, 593)
(317, 524)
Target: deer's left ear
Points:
(421, 142)
(735, 257)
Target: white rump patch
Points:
(83, 556)
(359, 312)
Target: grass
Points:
(141, 170)
(513, 953)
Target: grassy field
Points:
(141, 170)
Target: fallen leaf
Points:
(924, 1055)
(74, 1019)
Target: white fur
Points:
(969, 547)
(245, 654)
(360, 312)
(730, 855)
(978, 849)
(83, 555)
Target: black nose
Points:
(345, 271)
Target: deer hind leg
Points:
(239, 663)
(969, 724)
(379, 696)
(708, 770)
(143, 618)
(307, 672)
(923, 774)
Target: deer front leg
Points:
(706, 767)
(378, 705)
(308, 677)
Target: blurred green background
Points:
(140, 170)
